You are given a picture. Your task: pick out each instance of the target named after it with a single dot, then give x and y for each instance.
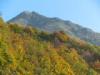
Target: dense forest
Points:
(25, 50)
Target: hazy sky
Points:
(83, 12)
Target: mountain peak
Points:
(33, 12)
(26, 12)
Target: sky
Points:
(83, 12)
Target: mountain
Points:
(56, 24)
(25, 50)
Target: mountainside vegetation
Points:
(56, 24)
(25, 50)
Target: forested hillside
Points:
(25, 50)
